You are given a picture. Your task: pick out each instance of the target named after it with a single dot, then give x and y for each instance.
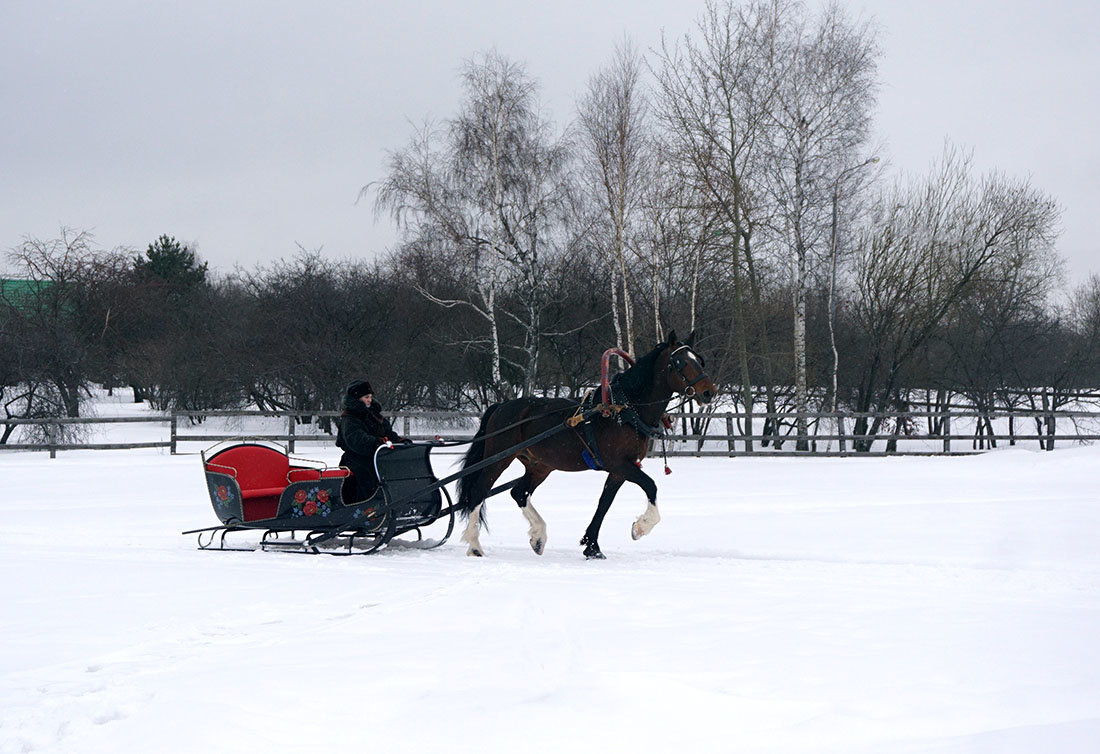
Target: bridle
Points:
(677, 360)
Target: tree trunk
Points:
(615, 307)
(800, 386)
(765, 344)
(742, 347)
(628, 314)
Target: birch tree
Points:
(821, 116)
(677, 234)
(716, 93)
(617, 150)
(427, 199)
(490, 189)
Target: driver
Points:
(361, 429)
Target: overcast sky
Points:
(247, 128)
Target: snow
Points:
(781, 605)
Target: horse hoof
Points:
(592, 552)
(537, 545)
(636, 532)
(473, 552)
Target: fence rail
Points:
(694, 432)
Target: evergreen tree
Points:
(171, 262)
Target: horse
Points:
(612, 439)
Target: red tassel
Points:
(667, 470)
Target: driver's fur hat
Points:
(358, 388)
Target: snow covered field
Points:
(782, 605)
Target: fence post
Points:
(729, 433)
(52, 430)
(840, 432)
(1050, 421)
(947, 433)
(290, 432)
(405, 426)
(172, 437)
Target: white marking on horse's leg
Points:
(537, 530)
(645, 523)
(470, 536)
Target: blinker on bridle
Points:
(677, 361)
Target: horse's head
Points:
(685, 370)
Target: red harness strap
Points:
(605, 363)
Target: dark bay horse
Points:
(615, 444)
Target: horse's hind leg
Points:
(535, 475)
(473, 526)
(470, 535)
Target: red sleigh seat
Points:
(262, 473)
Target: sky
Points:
(248, 128)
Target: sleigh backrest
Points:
(254, 467)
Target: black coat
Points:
(360, 430)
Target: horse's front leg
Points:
(592, 533)
(645, 523)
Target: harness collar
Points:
(631, 416)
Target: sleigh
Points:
(298, 505)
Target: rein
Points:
(500, 431)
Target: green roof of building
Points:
(15, 291)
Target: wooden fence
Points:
(53, 433)
(949, 432)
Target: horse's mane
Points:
(637, 379)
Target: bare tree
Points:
(677, 241)
(617, 151)
(989, 337)
(60, 321)
(1084, 314)
(825, 73)
(1067, 362)
(491, 192)
(426, 198)
(716, 95)
(847, 186)
(926, 249)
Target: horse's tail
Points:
(476, 454)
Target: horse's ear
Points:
(671, 337)
(690, 341)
